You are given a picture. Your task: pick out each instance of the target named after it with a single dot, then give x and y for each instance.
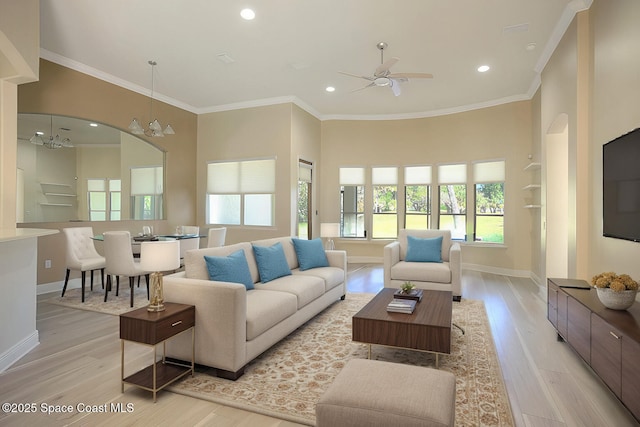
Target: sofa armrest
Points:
(337, 258)
(221, 321)
(391, 257)
(455, 263)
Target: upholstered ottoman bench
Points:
(371, 393)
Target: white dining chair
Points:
(216, 237)
(190, 230)
(120, 261)
(81, 255)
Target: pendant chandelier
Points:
(51, 142)
(154, 128)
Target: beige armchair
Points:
(444, 276)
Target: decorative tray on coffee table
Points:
(415, 294)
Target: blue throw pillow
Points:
(310, 253)
(232, 268)
(424, 250)
(271, 262)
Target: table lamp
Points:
(157, 257)
(329, 230)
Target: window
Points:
(385, 202)
(241, 192)
(453, 199)
(417, 196)
(146, 192)
(489, 200)
(352, 202)
(99, 192)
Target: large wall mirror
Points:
(75, 170)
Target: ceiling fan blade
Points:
(364, 87)
(395, 87)
(383, 69)
(355, 75)
(411, 75)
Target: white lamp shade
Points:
(158, 256)
(329, 229)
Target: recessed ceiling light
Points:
(330, 89)
(483, 68)
(93, 125)
(531, 46)
(247, 14)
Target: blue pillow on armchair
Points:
(424, 250)
(233, 268)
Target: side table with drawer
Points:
(153, 328)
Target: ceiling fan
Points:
(383, 76)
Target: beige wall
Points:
(615, 111)
(284, 131)
(502, 132)
(63, 91)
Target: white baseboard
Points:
(497, 270)
(16, 352)
(46, 288)
(364, 260)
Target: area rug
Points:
(287, 380)
(94, 300)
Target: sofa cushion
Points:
(271, 261)
(266, 309)
(332, 276)
(421, 272)
(310, 253)
(424, 250)
(196, 268)
(231, 268)
(305, 288)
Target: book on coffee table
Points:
(415, 294)
(402, 306)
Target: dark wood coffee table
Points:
(427, 329)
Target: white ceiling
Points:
(293, 49)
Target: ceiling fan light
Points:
(169, 130)
(382, 81)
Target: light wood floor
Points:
(78, 362)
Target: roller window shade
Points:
(489, 171)
(146, 181)
(251, 176)
(417, 175)
(452, 174)
(96, 185)
(304, 172)
(351, 176)
(384, 176)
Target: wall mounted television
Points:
(621, 187)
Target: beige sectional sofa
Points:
(234, 325)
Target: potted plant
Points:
(617, 292)
(407, 287)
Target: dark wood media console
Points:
(608, 340)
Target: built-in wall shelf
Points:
(531, 187)
(55, 184)
(64, 205)
(533, 166)
(60, 194)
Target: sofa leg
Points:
(230, 375)
(342, 297)
(457, 298)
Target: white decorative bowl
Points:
(616, 300)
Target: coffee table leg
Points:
(369, 351)
(437, 360)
